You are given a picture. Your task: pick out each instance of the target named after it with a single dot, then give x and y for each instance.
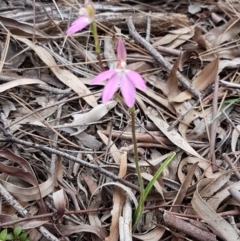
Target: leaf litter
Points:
(46, 99)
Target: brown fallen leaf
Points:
(19, 82)
(82, 121)
(202, 163)
(183, 189)
(30, 193)
(222, 195)
(59, 200)
(20, 28)
(70, 229)
(153, 235)
(7, 106)
(199, 39)
(24, 172)
(173, 135)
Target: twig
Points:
(229, 84)
(160, 58)
(71, 158)
(214, 126)
(183, 226)
(229, 162)
(148, 30)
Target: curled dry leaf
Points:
(235, 138)
(30, 193)
(70, 229)
(82, 121)
(154, 235)
(58, 172)
(202, 163)
(126, 189)
(59, 201)
(19, 82)
(222, 195)
(25, 172)
(33, 224)
(7, 106)
(232, 64)
(22, 28)
(220, 226)
(199, 39)
(64, 75)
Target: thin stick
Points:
(214, 125)
(71, 158)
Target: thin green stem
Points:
(137, 216)
(96, 43)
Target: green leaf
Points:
(231, 102)
(3, 235)
(138, 211)
(16, 231)
(23, 236)
(157, 174)
(10, 237)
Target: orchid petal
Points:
(128, 91)
(110, 88)
(121, 51)
(103, 76)
(78, 25)
(136, 79)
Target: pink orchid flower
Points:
(128, 80)
(87, 14)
